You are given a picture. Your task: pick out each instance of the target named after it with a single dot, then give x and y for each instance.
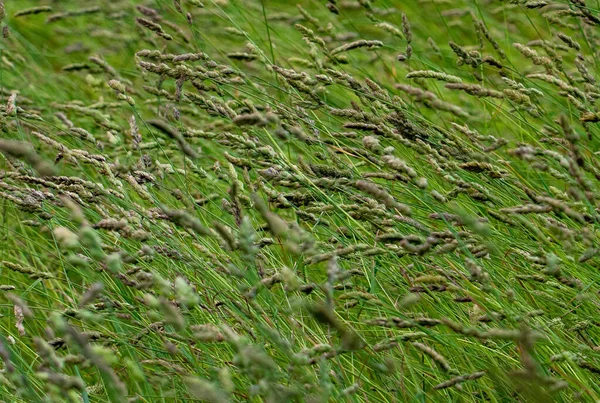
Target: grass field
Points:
(258, 200)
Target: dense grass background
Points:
(275, 216)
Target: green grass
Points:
(274, 217)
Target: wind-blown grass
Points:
(336, 201)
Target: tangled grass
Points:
(358, 201)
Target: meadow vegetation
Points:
(258, 200)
